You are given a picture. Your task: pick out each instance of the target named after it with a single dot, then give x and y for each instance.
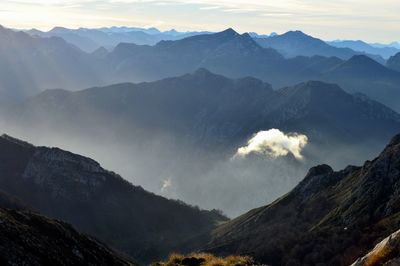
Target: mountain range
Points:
(361, 46)
(297, 43)
(227, 53)
(234, 55)
(291, 43)
(195, 123)
(202, 126)
(90, 40)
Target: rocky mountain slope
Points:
(77, 190)
(330, 218)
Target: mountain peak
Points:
(229, 31)
(361, 59)
(363, 65)
(296, 34)
(316, 180)
(322, 169)
(59, 30)
(202, 72)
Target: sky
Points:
(369, 20)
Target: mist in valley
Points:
(210, 178)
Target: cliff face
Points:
(330, 217)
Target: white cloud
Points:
(274, 143)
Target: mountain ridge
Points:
(335, 216)
(196, 123)
(78, 190)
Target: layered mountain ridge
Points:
(195, 124)
(228, 53)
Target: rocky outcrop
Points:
(386, 252)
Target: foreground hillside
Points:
(330, 218)
(77, 190)
(31, 239)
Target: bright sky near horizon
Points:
(369, 20)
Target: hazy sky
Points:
(370, 20)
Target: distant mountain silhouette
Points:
(364, 47)
(171, 58)
(234, 55)
(330, 218)
(90, 40)
(29, 65)
(76, 189)
(227, 53)
(297, 43)
(362, 74)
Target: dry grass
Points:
(204, 259)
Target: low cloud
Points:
(274, 143)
